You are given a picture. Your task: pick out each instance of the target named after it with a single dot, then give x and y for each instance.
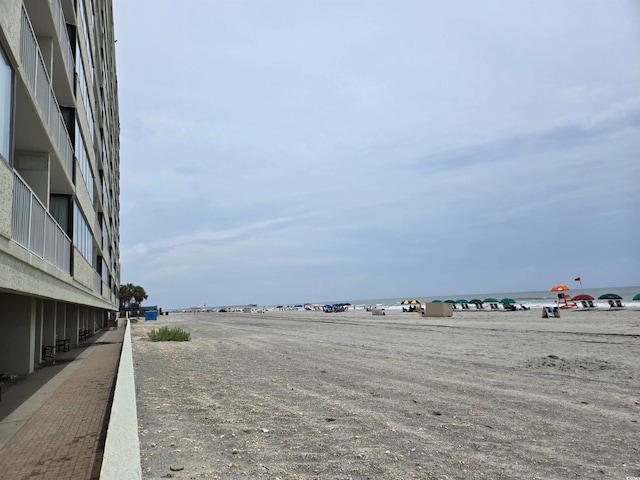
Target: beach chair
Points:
(550, 312)
(584, 304)
(590, 303)
(494, 306)
(619, 304)
(612, 304)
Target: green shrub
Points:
(166, 334)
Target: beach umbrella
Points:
(415, 302)
(583, 296)
(490, 300)
(462, 300)
(507, 300)
(449, 301)
(405, 302)
(436, 301)
(559, 288)
(476, 301)
(636, 298)
(610, 296)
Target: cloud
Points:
(275, 152)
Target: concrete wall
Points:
(10, 25)
(6, 198)
(37, 348)
(24, 273)
(82, 271)
(121, 457)
(34, 167)
(72, 323)
(49, 323)
(61, 318)
(18, 326)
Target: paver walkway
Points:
(63, 438)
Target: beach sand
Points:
(311, 395)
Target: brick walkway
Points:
(64, 438)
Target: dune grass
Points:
(166, 334)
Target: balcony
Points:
(35, 229)
(47, 18)
(97, 283)
(40, 83)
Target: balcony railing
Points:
(41, 85)
(97, 283)
(63, 35)
(36, 230)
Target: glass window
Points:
(82, 236)
(6, 76)
(59, 207)
(83, 161)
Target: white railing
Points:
(41, 84)
(97, 227)
(97, 283)
(36, 230)
(63, 35)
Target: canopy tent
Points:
(414, 305)
(583, 296)
(610, 296)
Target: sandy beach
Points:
(311, 395)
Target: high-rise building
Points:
(59, 176)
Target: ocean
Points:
(536, 299)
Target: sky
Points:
(280, 151)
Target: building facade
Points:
(59, 176)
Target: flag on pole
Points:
(577, 279)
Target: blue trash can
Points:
(151, 315)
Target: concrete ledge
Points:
(122, 447)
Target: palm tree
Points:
(131, 296)
(126, 294)
(139, 294)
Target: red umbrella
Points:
(583, 296)
(559, 288)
